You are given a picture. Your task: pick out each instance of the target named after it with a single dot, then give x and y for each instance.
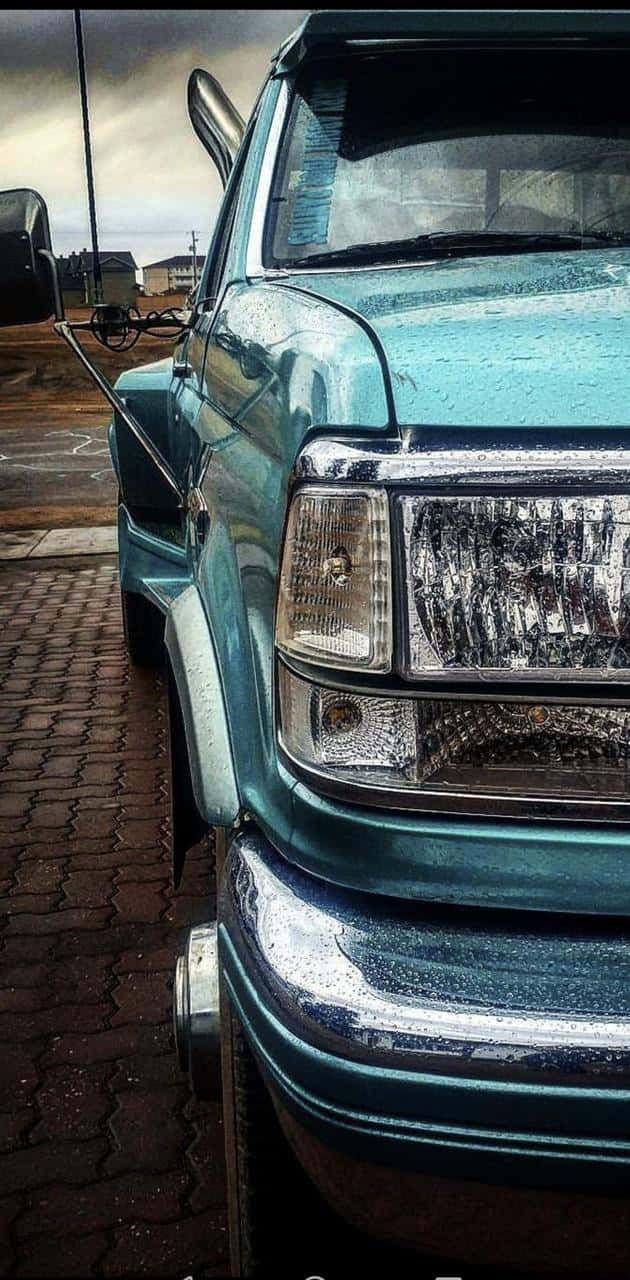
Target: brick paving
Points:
(107, 1165)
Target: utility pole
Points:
(98, 278)
(193, 249)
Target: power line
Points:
(193, 249)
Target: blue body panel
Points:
(253, 418)
(274, 369)
(530, 340)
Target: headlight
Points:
(447, 751)
(517, 587)
(334, 604)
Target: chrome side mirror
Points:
(215, 120)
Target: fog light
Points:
(342, 717)
(512, 752)
(372, 737)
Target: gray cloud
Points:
(154, 182)
(119, 40)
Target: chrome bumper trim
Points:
(477, 464)
(384, 982)
(196, 1017)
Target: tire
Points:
(278, 1224)
(143, 626)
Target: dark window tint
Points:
(389, 148)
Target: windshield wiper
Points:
(453, 243)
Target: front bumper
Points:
(476, 1045)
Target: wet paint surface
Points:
(527, 340)
(277, 364)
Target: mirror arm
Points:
(64, 329)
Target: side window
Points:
(220, 243)
(220, 252)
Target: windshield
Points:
(468, 145)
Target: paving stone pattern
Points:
(108, 1167)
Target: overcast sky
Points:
(154, 181)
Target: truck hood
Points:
(525, 340)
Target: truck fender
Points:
(197, 719)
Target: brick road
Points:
(108, 1166)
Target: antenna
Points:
(98, 278)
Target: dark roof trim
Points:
(119, 257)
(180, 260)
(329, 31)
(126, 261)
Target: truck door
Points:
(191, 395)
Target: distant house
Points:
(171, 275)
(118, 270)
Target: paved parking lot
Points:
(107, 1165)
(57, 465)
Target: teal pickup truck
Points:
(375, 518)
